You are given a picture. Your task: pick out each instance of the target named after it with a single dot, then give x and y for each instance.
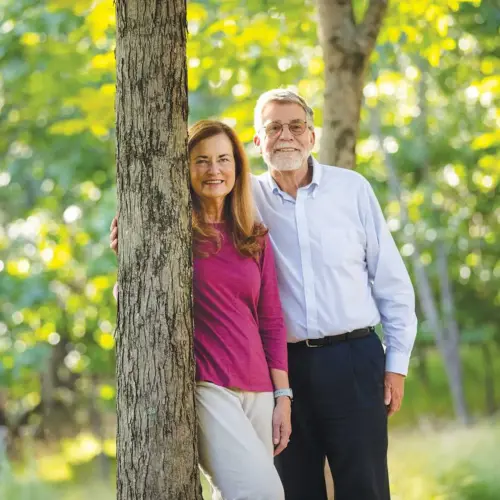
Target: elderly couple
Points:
(292, 271)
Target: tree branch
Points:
(336, 25)
(369, 29)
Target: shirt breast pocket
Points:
(340, 246)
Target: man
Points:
(340, 274)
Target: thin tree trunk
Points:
(47, 384)
(346, 49)
(489, 380)
(156, 425)
(451, 330)
(4, 427)
(97, 426)
(423, 287)
(453, 335)
(422, 366)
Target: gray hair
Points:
(283, 96)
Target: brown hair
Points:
(238, 205)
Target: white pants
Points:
(235, 442)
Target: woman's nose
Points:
(212, 166)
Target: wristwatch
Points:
(283, 392)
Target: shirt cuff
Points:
(396, 362)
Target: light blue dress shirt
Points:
(338, 266)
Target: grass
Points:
(451, 463)
(443, 464)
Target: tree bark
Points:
(347, 47)
(156, 425)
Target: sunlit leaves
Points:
(30, 39)
(488, 140)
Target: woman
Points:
(239, 337)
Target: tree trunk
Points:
(453, 336)
(424, 289)
(420, 353)
(156, 424)
(97, 426)
(489, 379)
(346, 51)
(4, 427)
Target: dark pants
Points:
(338, 412)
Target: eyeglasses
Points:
(296, 127)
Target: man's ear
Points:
(313, 138)
(257, 142)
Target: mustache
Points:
(285, 145)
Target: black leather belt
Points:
(334, 339)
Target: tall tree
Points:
(156, 445)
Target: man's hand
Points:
(394, 388)
(282, 424)
(113, 235)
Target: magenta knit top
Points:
(239, 332)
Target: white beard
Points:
(286, 162)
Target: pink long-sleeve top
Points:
(239, 330)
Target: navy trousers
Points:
(338, 412)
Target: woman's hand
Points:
(113, 235)
(282, 424)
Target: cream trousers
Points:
(235, 442)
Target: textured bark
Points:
(156, 441)
(346, 51)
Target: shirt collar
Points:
(316, 178)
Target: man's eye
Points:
(296, 127)
(273, 127)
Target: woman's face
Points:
(212, 168)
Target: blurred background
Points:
(430, 118)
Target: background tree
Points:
(347, 39)
(156, 433)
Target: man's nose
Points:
(285, 133)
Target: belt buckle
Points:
(311, 345)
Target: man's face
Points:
(284, 150)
